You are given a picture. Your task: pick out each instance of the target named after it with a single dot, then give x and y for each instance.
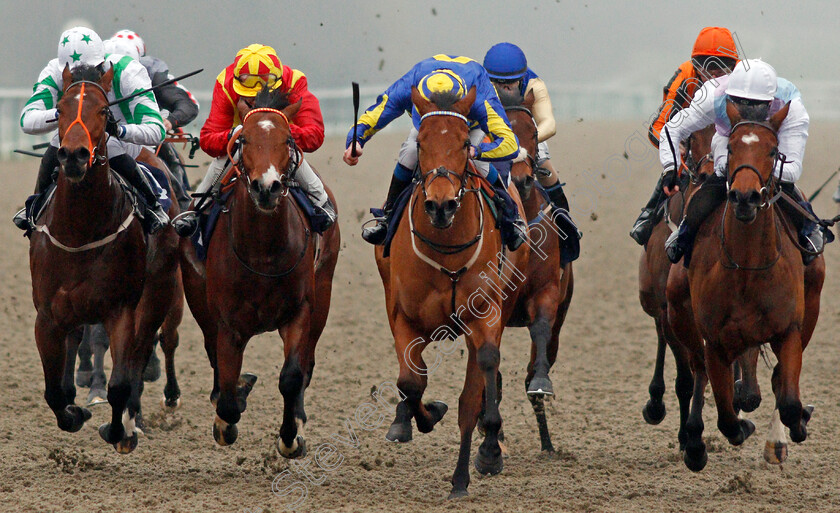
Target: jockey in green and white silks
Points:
(138, 121)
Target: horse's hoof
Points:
(112, 435)
(437, 409)
(799, 433)
(152, 371)
(170, 405)
(488, 466)
(297, 450)
(73, 418)
(745, 429)
(457, 494)
(84, 378)
(128, 444)
(540, 386)
(696, 462)
(97, 395)
(224, 433)
(807, 411)
(775, 453)
(399, 432)
(653, 412)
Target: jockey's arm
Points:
(541, 110)
(143, 122)
(214, 134)
(308, 124)
(673, 98)
(793, 134)
(699, 114)
(490, 114)
(389, 105)
(39, 113)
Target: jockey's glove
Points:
(669, 178)
(234, 131)
(113, 128)
(520, 156)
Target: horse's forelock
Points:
(510, 99)
(86, 72)
(446, 100)
(272, 99)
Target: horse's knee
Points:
(488, 358)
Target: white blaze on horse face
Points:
(444, 131)
(266, 124)
(749, 138)
(270, 176)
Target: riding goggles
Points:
(249, 81)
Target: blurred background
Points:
(601, 60)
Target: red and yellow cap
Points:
(255, 67)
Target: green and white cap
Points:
(80, 45)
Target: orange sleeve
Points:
(676, 95)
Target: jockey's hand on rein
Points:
(669, 181)
(112, 127)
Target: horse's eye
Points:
(774, 152)
(729, 148)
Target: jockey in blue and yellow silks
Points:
(443, 73)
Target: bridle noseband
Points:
(95, 156)
(770, 189)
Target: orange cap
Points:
(715, 41)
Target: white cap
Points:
(753, 79)
(121, 46)
(80, 45)
(132, 38)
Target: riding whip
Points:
(355, 116)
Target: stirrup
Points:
(672, 248)
(376, 234)
(186, 223)
(21, 221)
(642, 228)
(156, 219)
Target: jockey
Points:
(135, 123)
(714, 55)
(255, 67)
(441, 74)
(178, 106)
(756, 91)
(509, 72)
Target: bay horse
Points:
(654, 268)
(261, 274)
(90, 262)
(748, 287)
(547, 292)
(449, 274)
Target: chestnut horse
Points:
(262, 274)
(547, 292)
(748, 287)
(449, 274)
(654, 268)
(90, 263)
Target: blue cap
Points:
(505, 61)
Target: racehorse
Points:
(654, 268)
(467, 293)
(262, 274)
(90, 262)
(547, 292)
(748, 287)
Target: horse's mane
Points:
(272, 99)
(86, 72)
(757, 112)
(444, 101)
(510, 99)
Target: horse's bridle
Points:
(441, 171)
(238, 171)
(770, 189)
(692, 167)
(95, 156)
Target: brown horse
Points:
(262, 274)
(748, 287)
(90, 262)
(547, 292)
(448, 274)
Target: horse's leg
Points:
(654, 410)
(489, 459)
(229, 350)
(50, 340)
(169, 342)
(85, 372)
(97, 337)
(292, 443)
(786, 386)
(469, 405)
(747, 391)
(683, 383)
(720, 374)
(695, 456)
(814, 278)
(537, 381)
(412, 383)
(71, 346)
(776, 446)
(128, 359)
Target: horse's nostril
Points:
(733, 196)
(429, 206)
(275, 187)
(82, 155)
(62, 154)
(450, 206)
(255, 186)
(755, 198)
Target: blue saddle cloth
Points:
(207, 222)
(157, 177)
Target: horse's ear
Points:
(66, 77)
(107, 79)
(423, 105)
(777, 118)
(529, 100)
(732, 113)
(243, 107)
(292, 109)
(464, 105)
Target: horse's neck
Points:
(89, 206)
(533, 204)
(754, 244)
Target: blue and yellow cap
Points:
(442, 81)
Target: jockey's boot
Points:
(811, 236)
(708, 197)
(643, 226)
(514, 229)
(47, 173)
(180, 183)
(377, 233)
(156, 218)
(325, 215)
(557, 196)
